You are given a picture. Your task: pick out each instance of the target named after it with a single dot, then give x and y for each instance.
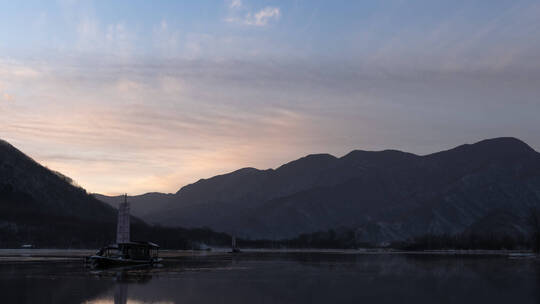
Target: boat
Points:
(122, 254)
(125, 252)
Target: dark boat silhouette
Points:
(132, 253)
(125, 252)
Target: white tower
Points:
(122, 230)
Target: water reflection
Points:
(134, 277)
(41, 282)
(282, 278)
(123, 277)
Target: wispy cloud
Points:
(239, 14)
(262, 17)
(155, 120)
(156, 125)
(235, 4)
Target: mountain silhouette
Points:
(45, 208)
(384, 195)
(39, 206)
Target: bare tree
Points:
(534, 222)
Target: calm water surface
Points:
(279, 278)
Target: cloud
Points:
(260, 18)
(155, 125)
(235, 4)
(167, 123)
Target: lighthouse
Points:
(122, 230)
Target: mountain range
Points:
(486, 188)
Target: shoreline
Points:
(56, 255)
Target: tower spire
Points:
(122, 229)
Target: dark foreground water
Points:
(279, 278)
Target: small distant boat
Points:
(27, 246)
(125, 252)
(132, 253)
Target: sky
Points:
(142, 96)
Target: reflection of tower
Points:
(121, 293)
(234, 248)
(122, 230)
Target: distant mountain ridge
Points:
(483, 188)
(385, 195)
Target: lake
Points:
(273, 277)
